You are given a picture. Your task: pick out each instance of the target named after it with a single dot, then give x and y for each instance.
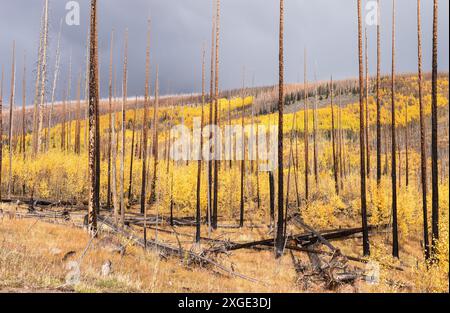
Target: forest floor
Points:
(57, 255)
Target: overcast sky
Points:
(249, 37)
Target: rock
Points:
(106, 268)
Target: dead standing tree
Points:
(378, 85)
(394, 146)
(43, 78)
(24, 95)
(155, 143)
(11, 120)
(423, 151)
(279, 241)
(434, 134)
(216, 122)
(37, 85)
(333, 141)
(110, 82)
(55, 80)
(306, 131)
(93, 112)
(122, 148)
(1, 132)
(367, 105)
(366, 246)
(200, 159)
(145, 127)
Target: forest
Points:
(337, 185)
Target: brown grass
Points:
(32, 259)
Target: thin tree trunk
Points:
(333, 141)
(211, 99)
(11, 119)
(241, 204)
(145, 129)
(315, 123)
(93, 111)
(378, 95)
(122, 150)
(394, 146)
(132, 151)
(200, 158)
(367, 106)
(366, 246)
(434, 135)
(108, 196)
(155, 141)
(37, 85)
(306, 132)
(43, 77)
(24, 95)
(78, 117)
(279, 241)
(423, 151)
(216, 121)
(1, 132)
(55, 80)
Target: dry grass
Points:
(32, 259)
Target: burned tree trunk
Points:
(434, 134)
(333, 141)
(423, 151)
(306, 132)
(366, 246)
(11, 120)
(1, 132)
(315, 124)
(37, 85)
(211, 97)
(367, 107)
(108, 195)
(24, 95)
(394, 146)
(217, 122)
(130, 184)
(93, 112)
(155, 143)
(279, 241)
(200, 158)
(77, 148)
(241, 204)
(145, 127)
(43, 77)
(378, 96)
(122, 150)
(55, 80)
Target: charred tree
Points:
(423, 151)
(279, 241)
(93, 112)
(394, 146)
(366, 246)
(378, 94)
(434, 134)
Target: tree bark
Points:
(93, 111)
(423, 151)
(279, 241)
(434, 134)
(378, 95)
(394, 146)
(11, 119)
(366, 246)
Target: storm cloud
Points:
(249, 37)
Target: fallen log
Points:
(171, 250)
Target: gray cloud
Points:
(248, 38)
